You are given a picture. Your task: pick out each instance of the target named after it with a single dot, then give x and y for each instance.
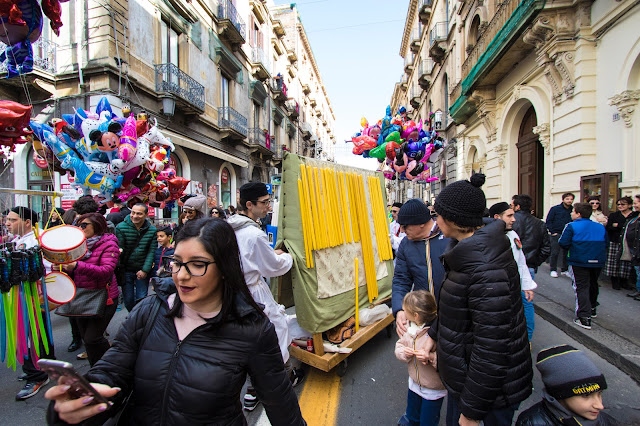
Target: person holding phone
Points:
(206, 337)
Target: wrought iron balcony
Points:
(258, 138)
(279, 89)
(294, 108)
(408, 62)
(416, 39)
(425, 11)
(424, 73)
(233, 122)
(437, 37)
(232, 27)
(44, 56)
(189, 93)
(261, 64)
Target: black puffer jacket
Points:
(197, 381)
(540, 415)
(483, 351)
(534, 238)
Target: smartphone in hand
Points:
(79, 386)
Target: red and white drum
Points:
(60, 287)
(63, 244)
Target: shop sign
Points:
(224, 176)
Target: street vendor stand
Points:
(333, 221)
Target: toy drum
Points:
(63, 244)
(60, 287)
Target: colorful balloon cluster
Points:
(119, 157)
(404, 146)
(22, 25)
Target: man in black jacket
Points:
(533, 233)
(557, 219)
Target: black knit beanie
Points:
(567, 372)
(413, 212)
(463, 202)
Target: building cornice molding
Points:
(625, 103)
(408, 25)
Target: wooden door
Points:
(530, 162)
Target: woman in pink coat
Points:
(96, 270)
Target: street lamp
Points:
(168, 106)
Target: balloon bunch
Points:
(21, 26)
(14, 123)
(403, 146)
(21, 318)
(116, 156)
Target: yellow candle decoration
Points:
(357, 299)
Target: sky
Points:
(356, 44)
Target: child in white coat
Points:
(426, 391)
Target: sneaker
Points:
(635, 294)
(30, 389)
(23, 377)
(250, 401)
(594, 313)
(297, 376)
(83, 355)
(566, 274)
(583, 322)
(553, 274)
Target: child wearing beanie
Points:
(480, 334)
(572, 392)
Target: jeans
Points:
(500, 417)
(133, 290)
(556, 251)
(529, 312)
(92, 332)
(585, 285)
(29, 368)
(637, 268)
(421, 412)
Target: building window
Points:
(224, 96)
(169, 44)
(256, 115)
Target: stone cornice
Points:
(544, 136)
(408, 24)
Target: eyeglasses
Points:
(395, 211)
(593, 203)
(621, 204)
(195, 268)
(265, 202)
(83, 225)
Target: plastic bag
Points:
(372, 315)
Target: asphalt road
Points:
(372, 391)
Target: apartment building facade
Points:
(213, 72)
(540, 95)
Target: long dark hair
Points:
(219, 240)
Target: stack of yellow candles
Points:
(379, 219)
(334, 210)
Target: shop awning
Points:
(205, 149)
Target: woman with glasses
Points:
(217, 212)
(619, 270)
(96, 270)
(632, 240)
(596, 214)
(205, 338)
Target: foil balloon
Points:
(128, 141)
(14, 122)
(21, 26)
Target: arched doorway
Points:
(530, 162)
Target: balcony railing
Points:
(258, 56)
(424, 11)
(226, 10)
(229, 118)
(44, 56)
(258, 137)
(438, 32)
(426, 66)
(501, 16)
(171, 79)
(279, 88)
(293, 107)
(408, 62)
(306, 130)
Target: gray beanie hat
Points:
(196, 203)
(567, 372)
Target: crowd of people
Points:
(462, 292)
(462, 295)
